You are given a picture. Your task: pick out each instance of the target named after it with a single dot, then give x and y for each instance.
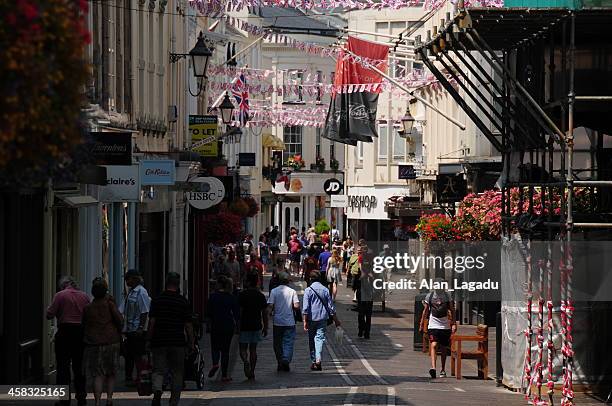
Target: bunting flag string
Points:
(217, 7)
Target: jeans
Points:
(134, 350)
(69, 349)
(169, 359)
(220, 342)
(316, 339)
(283, 337)
(364, 317)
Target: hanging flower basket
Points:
(222, 228)
(334, 164)
(253, 206)
(239, 207)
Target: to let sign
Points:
(204, 135)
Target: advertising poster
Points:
(204, 135)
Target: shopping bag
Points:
(144, 369)
(339, 335)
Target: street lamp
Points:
(227, 109)
(200, 55)
(407, 122)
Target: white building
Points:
(435, 146)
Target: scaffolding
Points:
(523, 100)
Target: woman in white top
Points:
(334, 272)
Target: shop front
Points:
(365, 211)
(301, 200)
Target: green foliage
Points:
(322, 226)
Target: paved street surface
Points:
(381, 371)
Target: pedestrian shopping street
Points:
(383, 370)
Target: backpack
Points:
(354, 266)
(440, 307)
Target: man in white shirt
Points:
(281, 303)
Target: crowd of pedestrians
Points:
(158, 333)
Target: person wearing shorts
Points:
(253, 323)
(440, 310)
(295, 252)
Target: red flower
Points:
(29, 11)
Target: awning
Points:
(272, 142)
(77, 200)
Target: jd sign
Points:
(333, 187)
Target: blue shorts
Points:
(250, 337)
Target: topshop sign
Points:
(362, 202)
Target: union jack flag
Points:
(241, 94)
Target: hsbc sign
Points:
(333, 187)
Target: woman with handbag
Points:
(102, 324)
(319, 312)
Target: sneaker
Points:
(213, 370)
(247, 369)
(318, 366)
(432, 373)
(313, 366)
(442, 374)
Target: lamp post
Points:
(200, 55)
(226, 108)
(407, 122)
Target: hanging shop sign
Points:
(246, 159)
(406, 172)
(207, 192)
(339, 201)
(123, 184)
(112, 148)
(157, 172)
(333, 187)
(204, 135)
(450, 188)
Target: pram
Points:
(194, 362)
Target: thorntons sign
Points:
(111, 148)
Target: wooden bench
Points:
(481, 354)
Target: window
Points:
(383, 139)
(359, 152)
(294, 78)
(292, 136)
(399, 145)
(318, 142)
(319, 90)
